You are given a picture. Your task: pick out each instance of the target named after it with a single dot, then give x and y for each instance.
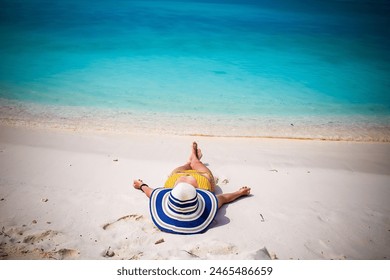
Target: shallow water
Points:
(310, 69)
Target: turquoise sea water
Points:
(257, 68)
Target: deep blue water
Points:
(233, 58)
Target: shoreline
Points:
(356, 128)
(39, 125)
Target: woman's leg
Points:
(187, 166)
(195, 153)
(230, 197)
(196, 164)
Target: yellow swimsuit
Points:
(202, 181)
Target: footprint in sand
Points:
(26, 243)
(144, 226)
(134, 217)
(39, 237)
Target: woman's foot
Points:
(195, 152)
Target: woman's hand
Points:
(137, 184)
(140, 185)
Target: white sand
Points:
(69, 195)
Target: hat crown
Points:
(183, 199)
(183, 191)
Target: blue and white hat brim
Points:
(168, 220)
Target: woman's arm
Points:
(230, 197)
(140, 185)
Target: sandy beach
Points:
(69, 195)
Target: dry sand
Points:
(69, 195)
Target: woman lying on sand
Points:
(187, 203)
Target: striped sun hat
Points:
(183, 209)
